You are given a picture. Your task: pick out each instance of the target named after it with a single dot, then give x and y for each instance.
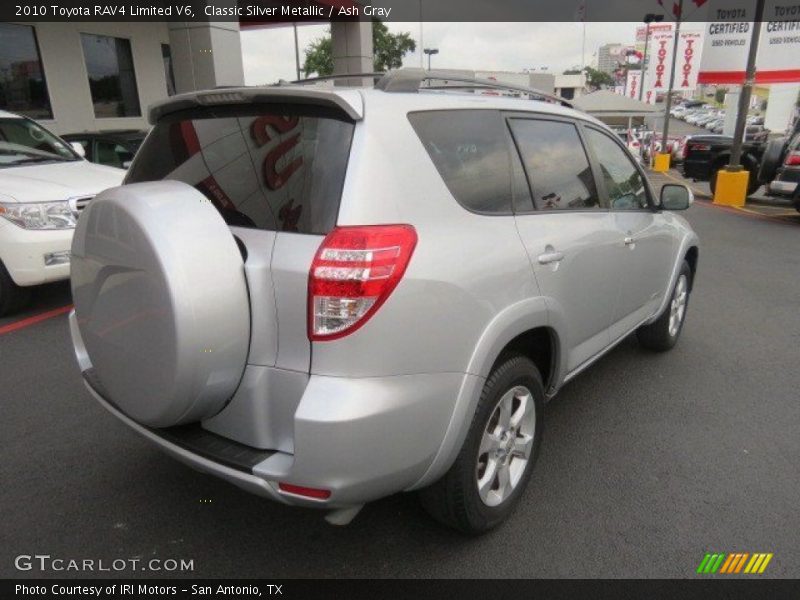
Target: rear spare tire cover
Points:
(161, 300)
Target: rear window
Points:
(470, 149)
(279, 168)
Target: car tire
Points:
(455, 500)
(12, 297)
(771, 159)
(663, 333)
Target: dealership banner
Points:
(632, 84)
(690, 48)
(727, 41)
(659, 60)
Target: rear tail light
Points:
(353, 273)
(699, 147)
(792, 159)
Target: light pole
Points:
(430, 52)
(671, 81)
(296, 51)
(733, 181)
(747, 89)
(648, 18)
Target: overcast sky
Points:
(269, 53)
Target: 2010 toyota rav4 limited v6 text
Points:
(329, 295)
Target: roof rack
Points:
(411, 80)
(375, 76)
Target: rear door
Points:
(275, 173)
(643, 247)
(567, 231)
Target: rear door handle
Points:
(550, 257)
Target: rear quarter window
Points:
(276, 167)
(470, 149)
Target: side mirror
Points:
(79, 149)
(676, 197)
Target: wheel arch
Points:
(692, 256)
(521, 327)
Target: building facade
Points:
(76, 77)
(608, 57)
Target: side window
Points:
(556, 165)
(112, 154)
(470, 150)
(624, 184)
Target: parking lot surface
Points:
(648, 460)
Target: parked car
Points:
(707, 118)
(704, 155)
(114, 148)
(44, 184)
(697, 117)
(327, 295)
(781, 168)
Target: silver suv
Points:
(328, 295)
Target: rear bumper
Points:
(785, 184)
(23, 253)
(696, 169)
(361, 439)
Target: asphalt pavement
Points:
(648, 460)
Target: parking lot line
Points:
(696, 191)
(27, 322)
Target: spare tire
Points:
(771, 159)
(161, 301)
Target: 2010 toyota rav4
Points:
(326, 296)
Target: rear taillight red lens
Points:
(353, 273)
(792, 159)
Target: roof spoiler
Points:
(254, 95)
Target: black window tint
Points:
(624, 184)
(556, 164)
(470, 151)
(169, 72)
(112, 154)
(23, 89)
(112, 80)
(272, 170)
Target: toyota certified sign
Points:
(727, 41)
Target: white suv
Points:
(326, 296)
(44, 184)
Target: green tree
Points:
(388, 50)
(319, 57)
(719, 95)
(596, 79)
